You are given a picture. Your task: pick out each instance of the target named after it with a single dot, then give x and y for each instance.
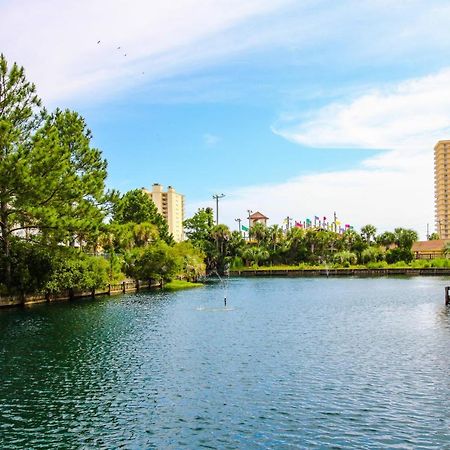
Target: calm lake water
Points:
(290, 363)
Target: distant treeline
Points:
(271, 246)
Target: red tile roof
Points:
(257, 215)
(430, 246)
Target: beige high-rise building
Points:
(442, 188)
(170, 204)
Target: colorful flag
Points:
(347, 225)
(298, 224)
(308, 221)
(338, 222)
(244, 228)
(316, 218)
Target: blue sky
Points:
(295, 108)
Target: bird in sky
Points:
(118, 48)
(98, 42)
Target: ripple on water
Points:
(289, 363)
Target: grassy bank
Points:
(175, 285)
(416, 264)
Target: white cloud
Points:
(57, 41)
(392, 189)
(407, 117)
(385, 198)
(210, 140)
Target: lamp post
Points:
(216, 198)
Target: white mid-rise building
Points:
(170, 205)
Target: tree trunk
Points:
(5, 242)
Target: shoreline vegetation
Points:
(176, 285)
(438, 263)
(61, 229)
(111, 290)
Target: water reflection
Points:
(289, 363)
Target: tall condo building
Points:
(170, 204)
(441, 188)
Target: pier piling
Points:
(447, 296)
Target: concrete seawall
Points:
(430, 271)
(112, 289)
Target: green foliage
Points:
(386, 239)
(79, 272)
(31, 267)
(405, 238)
(176, 285)
(137, 207)
(255, 254)
(398, 254)
(433, 237)
(156, 262)
(446, 250)
(192, 264)
(372, 254)
(345, 258)
(199, 226)
(368, 233)
(377, 265)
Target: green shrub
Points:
(395, 255)
(377, 265)
(78, 271)
(345, 258)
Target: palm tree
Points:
(386, 239)
(446, 250)
(255, 254)
(368, 233)
(258, 232)
(405, 238)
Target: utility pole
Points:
(249, 222)
(216, 198)
(288, 222)
(239, 222)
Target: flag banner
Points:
(324, 219)
(298, 224)
(347, 225)
(341, 230)
(316, 218)
(338, 222)
(244, 228)
(308, 221)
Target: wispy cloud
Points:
(57, 41)
(395, 188)
(405, 117)
(210, 140)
